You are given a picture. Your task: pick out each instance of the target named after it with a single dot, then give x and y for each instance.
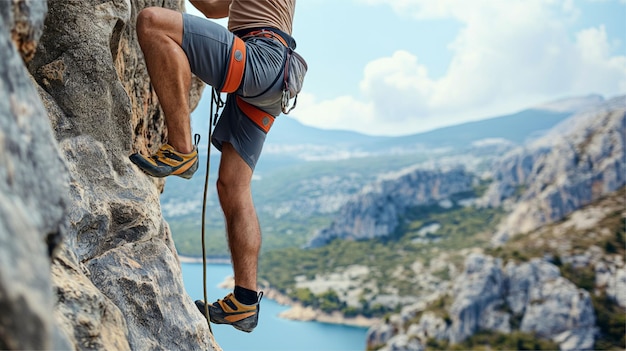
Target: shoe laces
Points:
(164, 151)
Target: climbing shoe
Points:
(230, 311)
(168, 161)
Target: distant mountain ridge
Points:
(516, 127)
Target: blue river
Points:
(272, 333)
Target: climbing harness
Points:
(216, 103)
(295, 68)
(292, 74)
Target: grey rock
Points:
(478, 289)
(378, 335)
(560, 311)
(611, 276)
(403, 342)
(521, 279)
(90, 319)
(32, 203)
(430, 326)
(149, 289)
(576, 163)
(488, 297)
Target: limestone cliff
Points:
(578, 162)
(87, 260)
(375, 212)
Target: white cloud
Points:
(508, 54)
(343, 112)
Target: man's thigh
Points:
(207, 45)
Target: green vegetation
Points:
(487, 340)
(439, 308)
(582, 277)
(188, 239)
(611, 321)
(461, 227)
(276, 234)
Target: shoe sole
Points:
(146, 167)
(200, 305)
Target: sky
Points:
(400, 67)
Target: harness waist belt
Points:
(268, 32)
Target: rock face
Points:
(489, 297)
(577, 163)
(376, 211)
(31, 211)
(114, 280)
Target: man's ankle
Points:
(245, 296)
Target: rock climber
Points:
(254, 62)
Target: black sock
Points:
(245, 296)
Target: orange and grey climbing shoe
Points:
(230, 311)
(168, 161)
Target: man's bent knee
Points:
(154, 20)
(146, 20)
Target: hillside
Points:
(546, 289)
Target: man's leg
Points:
(160, 34)
(242, 225)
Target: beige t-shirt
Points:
(245, 14)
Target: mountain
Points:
(517, 127)
(558, 287)
(544, 185)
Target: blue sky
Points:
(398, 67)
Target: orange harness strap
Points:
(261, 118)
(236, 66)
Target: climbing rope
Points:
(216, 103)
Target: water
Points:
(272, 333)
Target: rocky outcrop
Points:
(376, 211)
(114, 280)
(578, 162)
(32, 202)
(490, 297)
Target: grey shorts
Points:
(208, 47)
